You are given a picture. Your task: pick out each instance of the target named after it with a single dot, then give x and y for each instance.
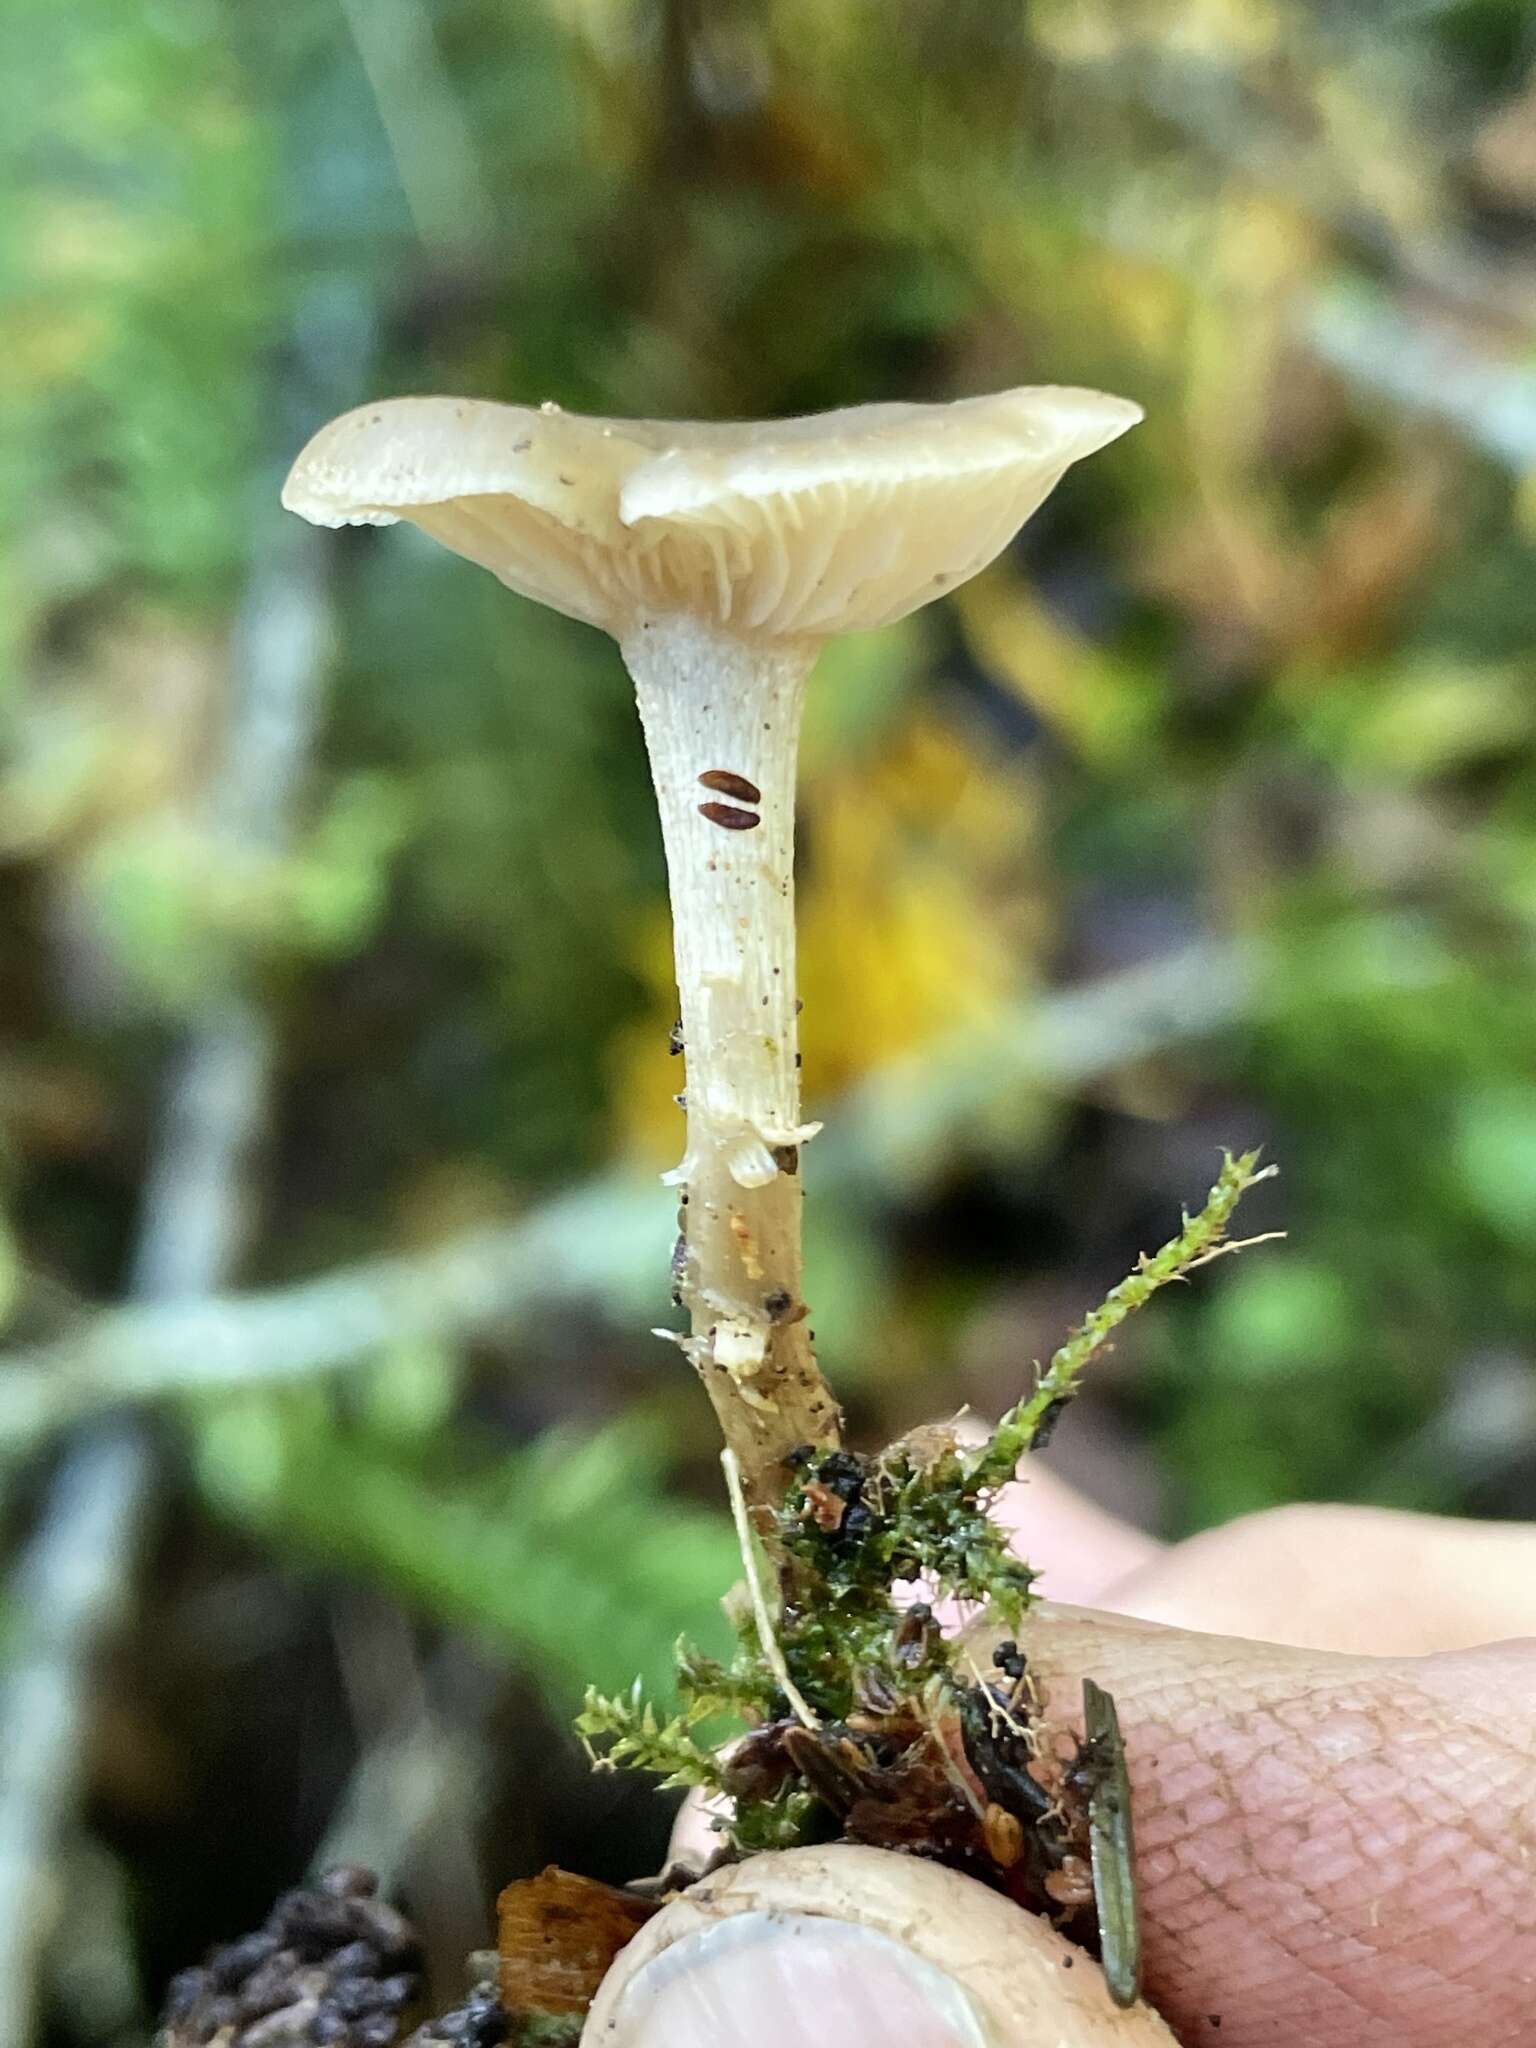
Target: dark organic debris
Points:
(834, 1496)
(333, 1966)
(676, 1877)
(481, 2021)
(825, 1507)
(1045, 1428)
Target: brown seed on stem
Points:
(727, 815)
(729, 784)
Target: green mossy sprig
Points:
(743, 1690)
(636, 1736)
(856, 1540)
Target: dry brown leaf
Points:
(557, 1935)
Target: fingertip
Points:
(790, 1980)
(855, 1946)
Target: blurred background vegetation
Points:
(336, 966)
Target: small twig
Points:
(1238, 1244)
(951, 1769)
(420, 1779)
(70, 1590)
(773, 1656)
(423, 122)
(598, 1241)
(999, 1710)
(75, 1580)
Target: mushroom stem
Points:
(722, 722)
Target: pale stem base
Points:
(711, 702)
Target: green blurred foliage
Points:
(566, 1555)
(1263, 672)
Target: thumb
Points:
(1334, 1851)
(858, 1948)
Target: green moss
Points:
(547, 2030)
(851, 1536)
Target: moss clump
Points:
(858, 1721)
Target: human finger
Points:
(1368, 1580)
(1333, 1851)
(860, 1948)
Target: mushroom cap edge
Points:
(776, 528)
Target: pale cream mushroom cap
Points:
(945, 1959)
(791, 529)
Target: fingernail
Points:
(791, 1980)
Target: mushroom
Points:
(838, 1939)
(720, 557)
